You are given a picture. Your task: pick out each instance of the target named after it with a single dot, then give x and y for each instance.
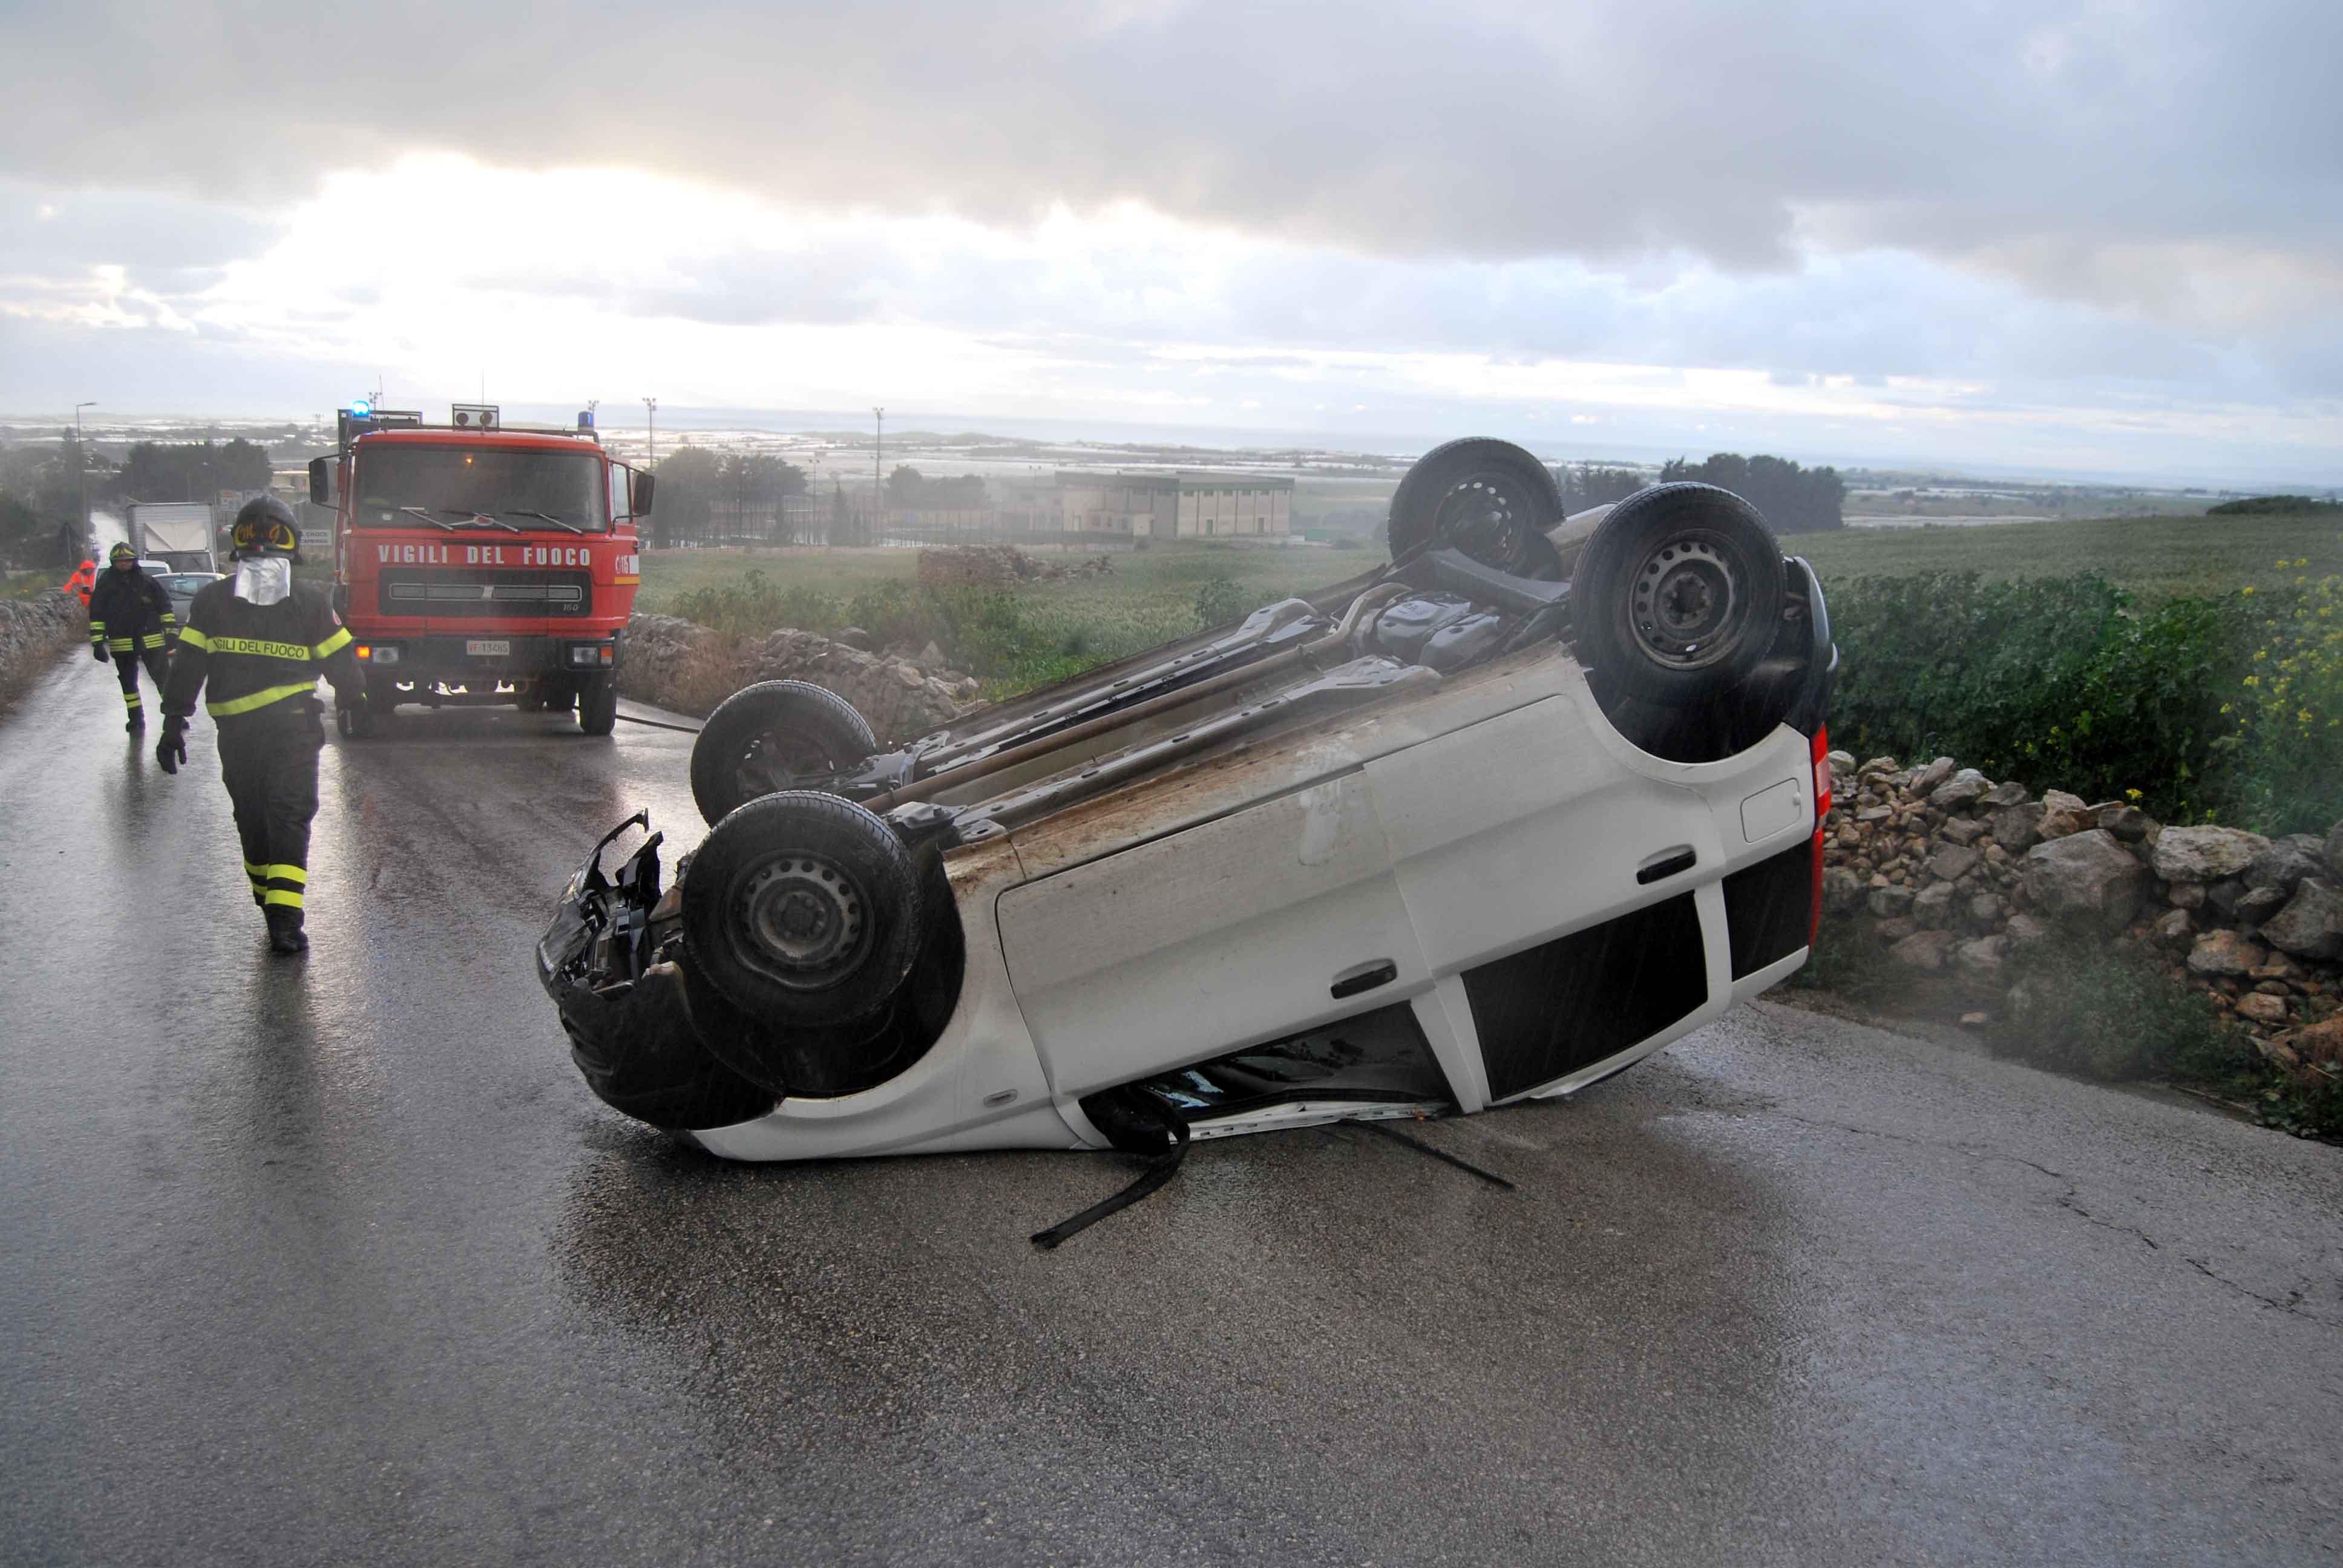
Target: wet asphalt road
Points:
(337, 1261)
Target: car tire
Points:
(353, 721)
(1678, 595)
(767, 737)
(597, 706)
(1491, 499)
(802, 911)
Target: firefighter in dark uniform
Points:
(130, 616)
(258, 640)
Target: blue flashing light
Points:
(360, 408)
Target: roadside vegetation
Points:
(2219, 708)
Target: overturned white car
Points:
(1495, 821)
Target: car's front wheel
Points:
(1678, 595)
(802, 909)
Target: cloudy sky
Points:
(2075, 235)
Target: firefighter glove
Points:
(97, 651)
(172, 750)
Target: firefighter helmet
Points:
(121, 552)
(264, 528)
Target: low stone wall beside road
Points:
(1956, 875)
(32, 631)
(690, 667)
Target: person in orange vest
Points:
(84, 577)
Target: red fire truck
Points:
(478, 562)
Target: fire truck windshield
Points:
(564, 489)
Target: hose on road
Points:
(655, 724)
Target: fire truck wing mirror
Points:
(642, 495)
(321, 480)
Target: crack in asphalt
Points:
(2292, 1305)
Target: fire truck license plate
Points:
(480, 649)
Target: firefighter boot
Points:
(285, 933)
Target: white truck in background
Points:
(177, 532)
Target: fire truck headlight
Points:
(591, 655)
(381, 653)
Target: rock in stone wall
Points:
(682, 665)
(1956, 875)
(32, 631)
(1001, 565)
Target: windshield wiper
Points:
(482, 518)
(548, 517)
(426, 516)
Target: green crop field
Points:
(1149, 596)
(2156, 557)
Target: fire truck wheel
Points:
(1678, 595)
(774, 735)
(802, 909)
(597, 706)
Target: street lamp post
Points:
(81, 469)
(879, 484)
(652, 404)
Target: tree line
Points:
(1795, 499)
(42, 485)
(705, 496)
(908, 490)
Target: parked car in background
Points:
(182, 586)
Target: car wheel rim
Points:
(801, 919)
(1686, 603)
(1488, 518)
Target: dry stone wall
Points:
(32, 632)
(1001, 565)
(1960, 877)
(690, 667)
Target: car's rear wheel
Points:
(1491, 499)
(802, 909)
(776, 735)
(1678, 595)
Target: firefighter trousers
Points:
(126, 670)
(269, 760)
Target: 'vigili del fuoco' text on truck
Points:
(476, 562)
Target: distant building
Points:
(1183, 506)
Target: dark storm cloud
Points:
(2026, 129)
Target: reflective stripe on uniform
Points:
(280, 896)
(96, 626)
(286, 873)
(334, 644)
(296, 651)
(191, 638)
(130, 698)
(152, 639)
(118, 644)
(235, 704)
(258, 873)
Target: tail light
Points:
(1822, 828)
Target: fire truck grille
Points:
(485, 594)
